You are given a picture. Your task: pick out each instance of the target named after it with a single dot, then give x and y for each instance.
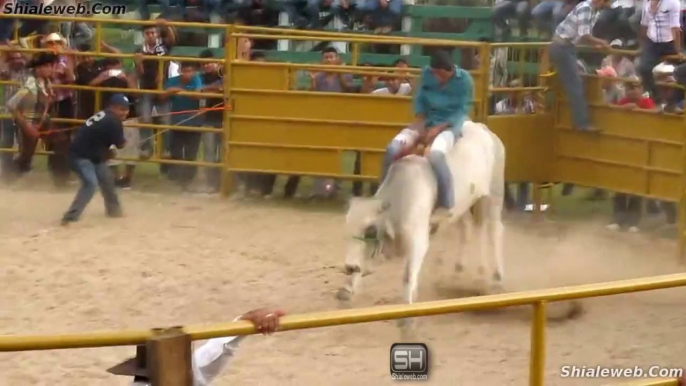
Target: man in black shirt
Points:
(88, 153)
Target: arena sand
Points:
(185, 260)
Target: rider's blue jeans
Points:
(444, 178)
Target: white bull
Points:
(398, 216)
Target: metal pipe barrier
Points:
(538, 299)
(233, 33)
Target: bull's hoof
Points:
(405, 323)
(344, 294)
(495, 288)
(497, 276)
(562, 311)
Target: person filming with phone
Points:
(112, 76)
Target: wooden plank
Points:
(169, 359)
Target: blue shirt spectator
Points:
(179, 103)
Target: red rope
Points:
(204, 110)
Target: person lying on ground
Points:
(211, 358)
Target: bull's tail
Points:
(497, 187)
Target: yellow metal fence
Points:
(538, 299)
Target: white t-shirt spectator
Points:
(404, 89)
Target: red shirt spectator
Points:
(634, 98)
(642, 103)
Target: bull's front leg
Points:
(464, 235)
(346, 292)
(496, 233)
(417, 247)
(354, 265)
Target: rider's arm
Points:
(465, 93)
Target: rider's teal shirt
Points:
(448, 103)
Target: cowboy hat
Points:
(54, 37)
(133, 367)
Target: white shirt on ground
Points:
(660, 24)
(210, 359)
(404, 89)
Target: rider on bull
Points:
(441, 103)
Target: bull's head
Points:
(364, 225)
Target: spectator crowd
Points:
(628, 83)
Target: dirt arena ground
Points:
(184, 260)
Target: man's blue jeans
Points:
(549, 14)
(439, 164)
(212, 152)
(512, 9)
(7, 135)
(563, 56)
(381, 17)
(92, 175)
(145, 105)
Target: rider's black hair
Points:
(441, 60)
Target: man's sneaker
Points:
(65, 222)
(123, 183)
(613, 227)
(590, 129)
(115, 214)
(634, 229)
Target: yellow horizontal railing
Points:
(537, 298)
(361, 315)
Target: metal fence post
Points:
(229, 54)
(537, 362)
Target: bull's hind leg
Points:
(480, 218)
(496, 232)
(464, 229)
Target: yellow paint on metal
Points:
(353, 316)
(528, 144)
(254, 76)
(537, 362)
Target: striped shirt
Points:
(661, 22)
(30, 99)
(14, 76)
(579, 22)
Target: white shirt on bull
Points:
(660, 24)
(404, 89)
(210, 359)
